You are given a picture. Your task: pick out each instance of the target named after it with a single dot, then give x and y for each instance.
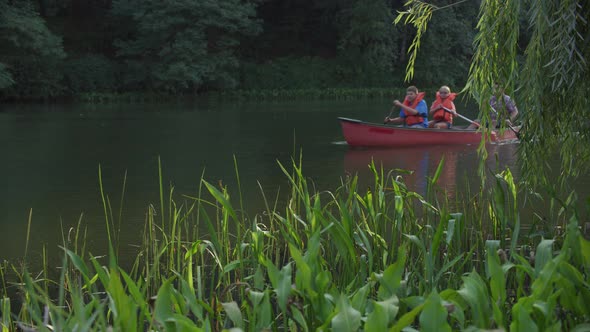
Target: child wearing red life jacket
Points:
(443, 109)
(413, 111)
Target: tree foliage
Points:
(30, 51)
(174, 46)
(191, 46)
(368, 35)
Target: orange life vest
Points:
(412, 119)
(441, 114)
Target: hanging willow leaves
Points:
(550, 81)
(495, 57)
(556, 86)
(418, 14)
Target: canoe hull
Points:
(359, 133)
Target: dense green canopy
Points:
(180, 45)
(31, 54)
(67, 48)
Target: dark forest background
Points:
(65, 48)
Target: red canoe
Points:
(359, 133)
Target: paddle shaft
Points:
(390, 114)
(516, 132)
(461, 116)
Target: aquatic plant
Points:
(348, 259)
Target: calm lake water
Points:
(51, 157)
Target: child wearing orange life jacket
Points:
(413, 111)
(443, 109)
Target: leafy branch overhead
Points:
(550, 80)
(418, 14)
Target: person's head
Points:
(411, 92)
(444, 91)
(498, 88)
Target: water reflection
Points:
(460, 163)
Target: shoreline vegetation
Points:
(350, 259)
(239, 94)
(234, 95)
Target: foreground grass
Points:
(382, 259)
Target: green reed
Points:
(383, 258)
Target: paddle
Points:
(516, 132)
(390, 114)
(461, 116)
(477, 124)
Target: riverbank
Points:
(347, 259)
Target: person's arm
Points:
(408, 109)
(422, 109)
(514, 114)
(451, 110)
(512, 109)
(435, 107)
(398, 120)
(493, 102)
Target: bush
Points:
(315, 73)
(91, 73)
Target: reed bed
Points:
(382, 259)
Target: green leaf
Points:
(434, 314)
(543, 255)
(391, 279)
(221, 198)
(303, 278)
(231, 266)
(474, 292)
(100, 271)
(182, 324)
(378, 319)
(124, 310)
(5, 321)
(407, 319)
(164, 304)
(347, 319)
(450, 231)
(360, 298)
(522, 321)
(300, 319)
(383, 314)
(136, 294)
(79, 264)
(191, 299)
(497, 282)
(283, 286)
(234, 313)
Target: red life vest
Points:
(412, 119)
(441, 114)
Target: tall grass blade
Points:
(5, 319)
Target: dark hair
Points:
(412, 88)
